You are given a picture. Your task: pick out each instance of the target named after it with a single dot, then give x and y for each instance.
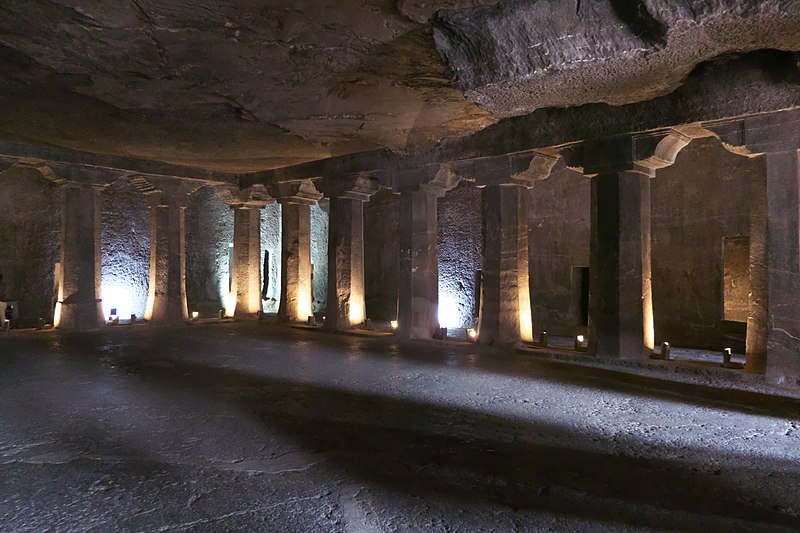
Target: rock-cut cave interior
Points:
(399, 265)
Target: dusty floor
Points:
(249, 427)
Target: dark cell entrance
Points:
(580, 295)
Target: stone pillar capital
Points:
(300, 192)
(253, 197)
(437, 179)
(530, 167)
(353, 187)
(511, 170)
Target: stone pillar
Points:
(505, 314)
(167, 292)
(246, 267)
(418, 288)
(296, 289)
(346, 306)
(773, 327)
(620, 298)
(79, 304)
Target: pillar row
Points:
(773, 326)
(346, 304)
(296, 288)
(79, 305)
(246, 267)
(620, 299)
(505, 314)
(418, 298)
(167, 292)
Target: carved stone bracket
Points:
(302, 192)
(256, 196)
(355, 187)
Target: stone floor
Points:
(246, 427)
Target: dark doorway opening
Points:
(580, 295)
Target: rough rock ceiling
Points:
(519, 56)
(244, 85)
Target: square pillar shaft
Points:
(505, 314)
(80, 306)
(167, 292)
(620, 297)
(418, 287)
(246, 268)
(346, 306)
(295, 305)
(773, 326)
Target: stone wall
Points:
(381, 255)
(696, 203)
(271, 245)
(319, 255)
(460, 255)
(559, 225)
(209, 234)
(30, 241)
(125, 242)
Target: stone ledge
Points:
(676, 371)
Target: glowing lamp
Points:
(195, 315)
(394, 324)
(472, 334)
(579, 340)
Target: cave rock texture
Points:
(249, 85)
(232, 85)
(518, 56)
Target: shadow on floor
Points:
(507, 362)
(417, 447)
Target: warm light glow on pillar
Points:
(59, 295)
(151, 291)
(525, 317)
(304, 307)
(394, 324)
(254, 302)
(648, 326)
(230, 304)
(356, 310)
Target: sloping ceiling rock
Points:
(519, 56)
(227, 84)
(244, 85)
